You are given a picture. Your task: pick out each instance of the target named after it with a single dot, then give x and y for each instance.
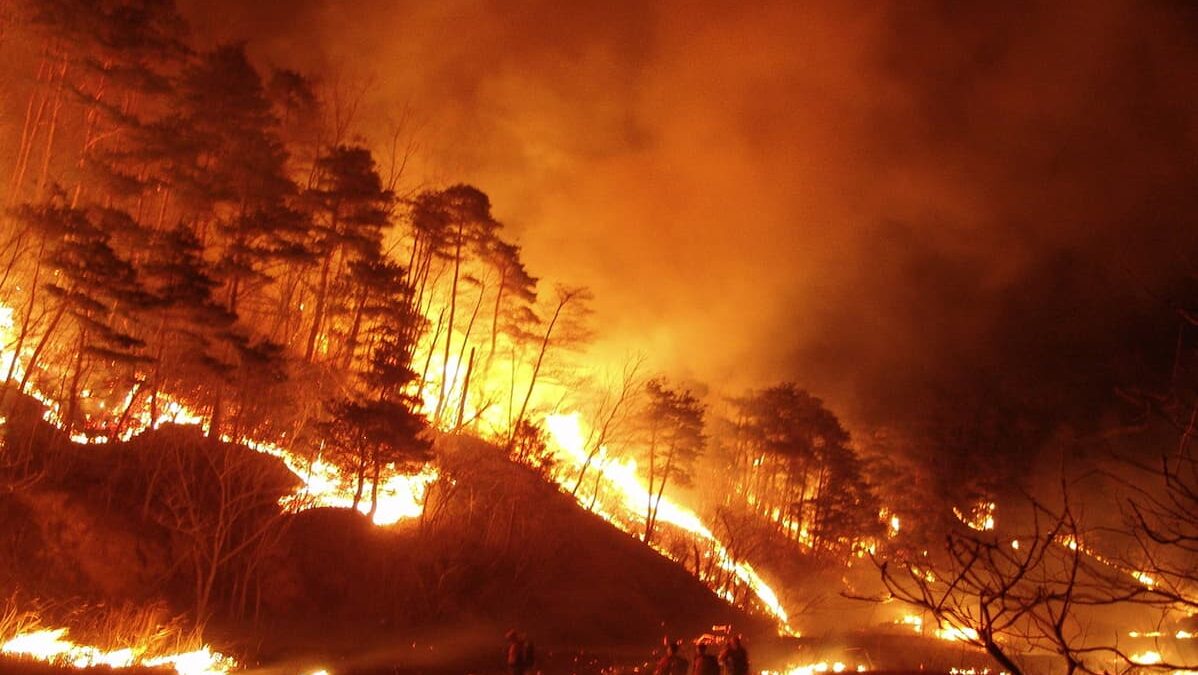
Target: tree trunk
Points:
(351, 342)
(217, 420)
(428, 360)
(661, 489)
(465, 391)
(495, 322)
(649, 489)
(465, 341)
(37, 351)
(453, 303)
(361, 479)
(532, 382)
(376, 470)
(124, 418)
(50, 133)
(68, 421)
(318, 312)
(33, 122)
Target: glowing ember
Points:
(953, 633)
(945, 631)
(1144, 578)
(1146, 658)
(51, 646)
(980, 516)
(633, 498)
(203, 661)
(913, 620)
(812, 668)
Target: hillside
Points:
(498, 547)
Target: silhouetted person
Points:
(734, 657)
(518, 654)
(672, 663)
(705, 664)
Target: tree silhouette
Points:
(674, 439)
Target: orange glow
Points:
(632, 498)
(818, 667)
(52, 646)
(400, 495)
(980, 516)
(944, 631)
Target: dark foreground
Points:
(879, 654)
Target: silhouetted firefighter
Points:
(521, 655)
(705, 664)
(672, 663)
(734, 657)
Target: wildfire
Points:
(52, 646)
(812, 668)
(1179, 635)
(980, 516)
(944, 631)
(1147, 658)
(633, 498)
(323, 484)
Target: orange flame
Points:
(52, 646)
(633, 497)
(400, 496)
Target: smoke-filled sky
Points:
(886, 202)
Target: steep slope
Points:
(498, 547)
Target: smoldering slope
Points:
(893, 204)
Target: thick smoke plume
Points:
(890, 203)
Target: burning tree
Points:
(790, 459)
(378, 428)
(673, 428)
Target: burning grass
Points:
(137, 638)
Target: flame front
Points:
(818, 667)
(633, 497)
(52, 646)
(323, 484)
(943, 631)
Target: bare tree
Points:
(570, 300)
(612, 412)
(219, 501)
(1015, 591)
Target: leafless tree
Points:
(1015, 591)
(220, 502)
(612, 412)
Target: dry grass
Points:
(16, 618)
(150, 630)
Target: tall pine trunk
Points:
(318, 313)
(453, 303)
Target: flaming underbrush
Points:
(129, 524)
(145, 632)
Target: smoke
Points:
(893, 204)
